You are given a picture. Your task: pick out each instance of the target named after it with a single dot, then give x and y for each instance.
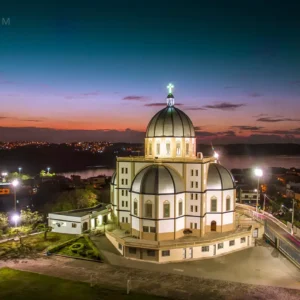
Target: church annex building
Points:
(174, 204)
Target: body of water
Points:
(230, 162)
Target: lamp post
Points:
(20, 169)
(15, 184)
(293, 211)
(48, 169)
(258, 173)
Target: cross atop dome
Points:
(170, 98)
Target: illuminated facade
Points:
(172, 194)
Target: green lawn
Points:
(24, 285)
(32, 244)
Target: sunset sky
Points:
(98, 70)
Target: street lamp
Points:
(4, 174)
(258, 173)
(15, 183)
(216, 155)
(20, 169)
(48, 169)
(15, 218)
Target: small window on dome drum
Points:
(158, 149)
(168, 148)
(178, 150)
(187, 146)
(150, 148)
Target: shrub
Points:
(40, 227)
(62, 245)
(77, 248)
(96, 253)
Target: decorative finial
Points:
(170, 98)
(170, 87)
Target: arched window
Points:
(135, 207)
(150, 148)
(180, 206)
(213, 204)
(187, 149)
(213, 226)
(178, 149)
(166, 209)
(148, 209)
(168, 148)
(158, 149)
(228, 203)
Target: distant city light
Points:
(4, 174)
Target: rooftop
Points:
(84, 211)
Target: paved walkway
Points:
(146, 281)
(260, 265)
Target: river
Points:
(230, 162)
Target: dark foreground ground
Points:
(111, 277)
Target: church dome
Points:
(157, 180)
(219, 178)
(113, 179)
(170, 122)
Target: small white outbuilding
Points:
(79, 220)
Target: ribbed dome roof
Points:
(113, 178)
(219, 178)
(157, 180)
(170, 122)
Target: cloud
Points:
(135, 98)
(83, 95)
(290, 132)
(255, 95)
(194, 108)
(228, 87)
(246, 127)
(200, 133)
(260, 115)
(2, 117)
(275, 120)
(197, 128)
(295, 82)
(161, 104)
(31, 120)
(225, 106)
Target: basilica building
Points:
(174, 203)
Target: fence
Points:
(287, 249)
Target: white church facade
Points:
(173, 203)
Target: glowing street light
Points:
(48, 169)
(20, 169)
(4, 174)
(258, 173)
(15, 218)
(15, 183)
(216, 155)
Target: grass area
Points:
(25, 285)
(86, 252)
(32, 244)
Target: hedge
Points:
(93, 247)
(62, 245)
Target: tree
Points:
(43, 173)
(30, 218)
(3, 221)
(46, 230)
(75, 199)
